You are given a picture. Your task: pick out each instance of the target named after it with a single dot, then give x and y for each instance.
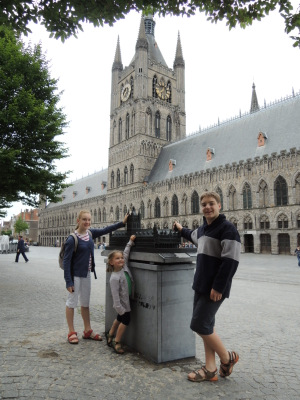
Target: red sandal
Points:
(88, 335)
(72, 338)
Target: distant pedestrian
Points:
(297, 253)
(21, 250)
(218, 255)
(77, 272)
(121, 284)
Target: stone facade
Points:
(252, 161)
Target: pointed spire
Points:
(142, 41)
(117, 64)
(254, 103)
(179, 61)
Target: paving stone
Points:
(258, 321)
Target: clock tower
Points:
(147, 110)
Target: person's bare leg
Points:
(70, 322)
(212, 345)
(85, 313)
(114, 327)
(120, 332)
(70, 319)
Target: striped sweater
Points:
(218, 253)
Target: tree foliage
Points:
(65, 17)
(20, 225)
(30, 121)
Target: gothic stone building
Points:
(252, 161)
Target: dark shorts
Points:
(124, 319)
(204, 311)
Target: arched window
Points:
(157, 208)
(131, 173)
(298, 221)
(132, 87)
(125, 210)
(169, 89)
(120, 130)
(149, 206)
(282, 222)
(232, 198)
(157, 124)
(142, 210)
(117, 213)
(248, 222)
(297, 189)
(169, 129)
(247, 198)
(263, 196)
(174, 205)
(112, 180)
(195, 203)
(104, 214)
(118, 178)
(281, 192)
(184, 203)
(220, 193)
(233, 221)
(154, 83)
(125, 175)
(264, 222)
(99, 215)
(127, 128)
(148, 122)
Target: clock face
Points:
(162, 90)
(125, 92)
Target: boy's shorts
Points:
(124, 319)
(82, 292)
(204, 311)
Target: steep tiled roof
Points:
(85, 188)
(233, 141)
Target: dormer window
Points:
(209, 153)
(87, 189)
(172, 164)
(74, 194)
(103, 185)
(63, 197)
(261, 139)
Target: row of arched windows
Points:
(157, 125)
(128, 177)
(280, 194)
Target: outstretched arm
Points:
(127, 249)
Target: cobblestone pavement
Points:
(260, 321)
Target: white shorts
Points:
(82, 291)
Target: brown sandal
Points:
(226, 369)
(117, 347)
(208, 375)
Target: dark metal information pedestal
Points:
(161, 308)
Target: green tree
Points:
(20, 225)
(65, 17)
(7, 233)
(30, 121)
